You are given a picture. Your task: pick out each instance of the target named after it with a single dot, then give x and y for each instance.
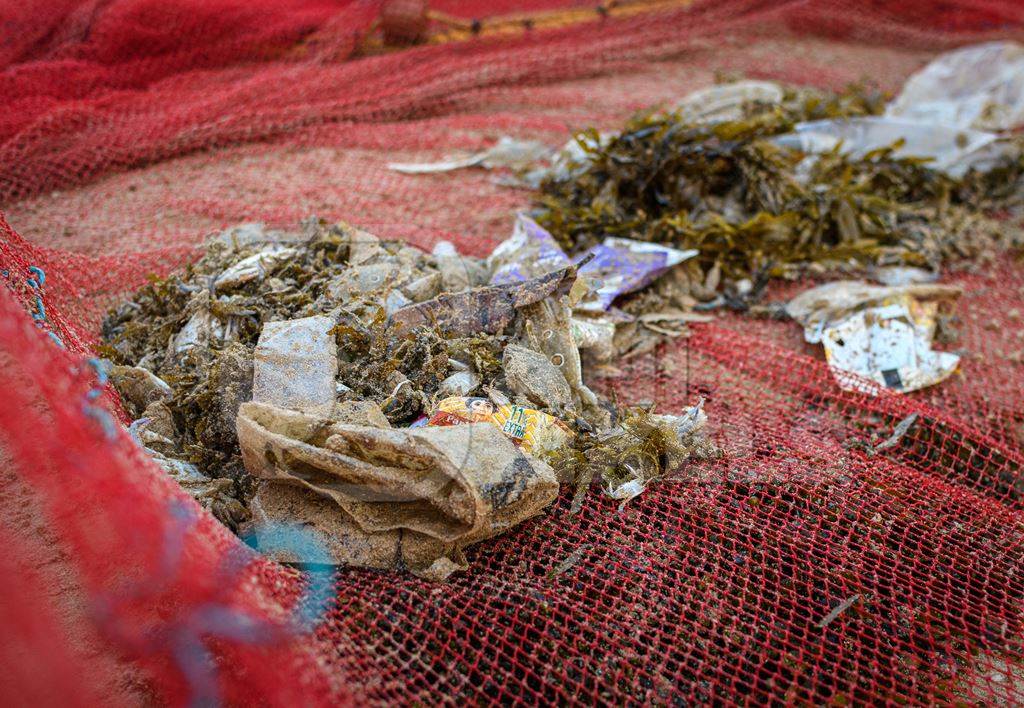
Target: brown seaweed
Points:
(756, 210)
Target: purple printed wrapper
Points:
(530, 252)
(619, 265)
(622, 265)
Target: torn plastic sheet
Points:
(951, 149)
(980, 87)
(296, 363)
(200, 330)
(951, 112)
(507, 152)
(827, 305)
(885, 344)
(621, 265)
(879, 333)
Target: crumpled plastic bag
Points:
(979, 87)
(951, 112)
(877, 332)
(622, 265)
(529, 252)
(435, 489)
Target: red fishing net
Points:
(798, 568)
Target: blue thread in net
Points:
(101, 370)
(100, 415)
(184, 637)
(36, 280)
(105, 420)
(40, 276)
(312, 553)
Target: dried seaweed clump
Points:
(639, 448)
(757, 210)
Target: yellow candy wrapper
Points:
(531, 430)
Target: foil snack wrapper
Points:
(529, 429)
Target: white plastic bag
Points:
(980, 87)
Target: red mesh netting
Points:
(131, 129)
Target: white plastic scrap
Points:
(573, 158)
(627, 490)
(690, 421)
(980, 87)
(507, 152)
(879, 333)
(902, 275)
(461, 383)
(395, 301)
(885, 344)
(444, 249)
(724, 102)
(295, 364)
(595, 334)
(200, 330)
(254, 267)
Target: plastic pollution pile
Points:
(336, 370)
